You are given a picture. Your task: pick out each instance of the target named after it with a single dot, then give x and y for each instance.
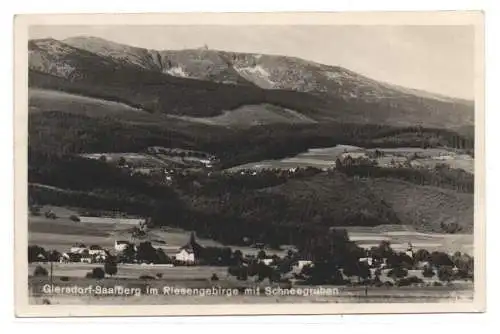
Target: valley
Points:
(254, 164)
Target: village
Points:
(379, 265)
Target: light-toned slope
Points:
(51, 100)
(250, 115)
(425, 207)
(143, 58)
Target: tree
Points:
(40, 271)
(400, 260)
(445, 273)
(421, 255)
(397, 272)
(214, 277)
(128, 255)
(439, 259)
(54, 256)
(146, 252)
(161, 257)
(428, 272)
(241, 272)
(50, 214)
(36, 253)
(383, 251)
(122, 162)
(264, 271)
(465, 265)
(357, 268)
(261, 254)
(237, 257)
(74, 218)
(111, 266)
(97, 273)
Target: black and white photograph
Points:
(202, 163)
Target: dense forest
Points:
(442, 176)
(231, 208)
(57, 132)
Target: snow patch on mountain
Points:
(256, 74)
(176, 71)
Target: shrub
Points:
(148, 277)
(159, 275)
(64, 278)
(214, 277)
(409, 281)
(36, 254)
(50, 215)
(35, 210)
(398, 272)
(445, 273)
(437, 284)
(110, 265)
(40, 271)
(74, 218)
(98, 273)
(428, 272)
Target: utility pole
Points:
(51, 270)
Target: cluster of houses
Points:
(96, 254)
(81, 253)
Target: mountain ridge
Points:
(77, 41)
(145, 78)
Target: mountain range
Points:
(89, 95)
(234, 89)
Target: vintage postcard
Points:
(249, 163)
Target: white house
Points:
(86, 259)
(367, 260)
(185, 255)
(121, 245)
(301, 264)
(409, 250)
(354, 155)
(96, 250)
(267, 262)
(78, 249)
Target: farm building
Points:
(185, 255)
(121, 245)
(409, 250)
(96, 250)
(367, 260)
(86, 259)
(78, 248)
(267, 262)
(354, 155)
(70, 257)
(301, 264)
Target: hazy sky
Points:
(439, 59)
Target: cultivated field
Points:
(325, 158)
(250, 115)
(136, 160)
(400, 235)
(62, 233)
(41, 99)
